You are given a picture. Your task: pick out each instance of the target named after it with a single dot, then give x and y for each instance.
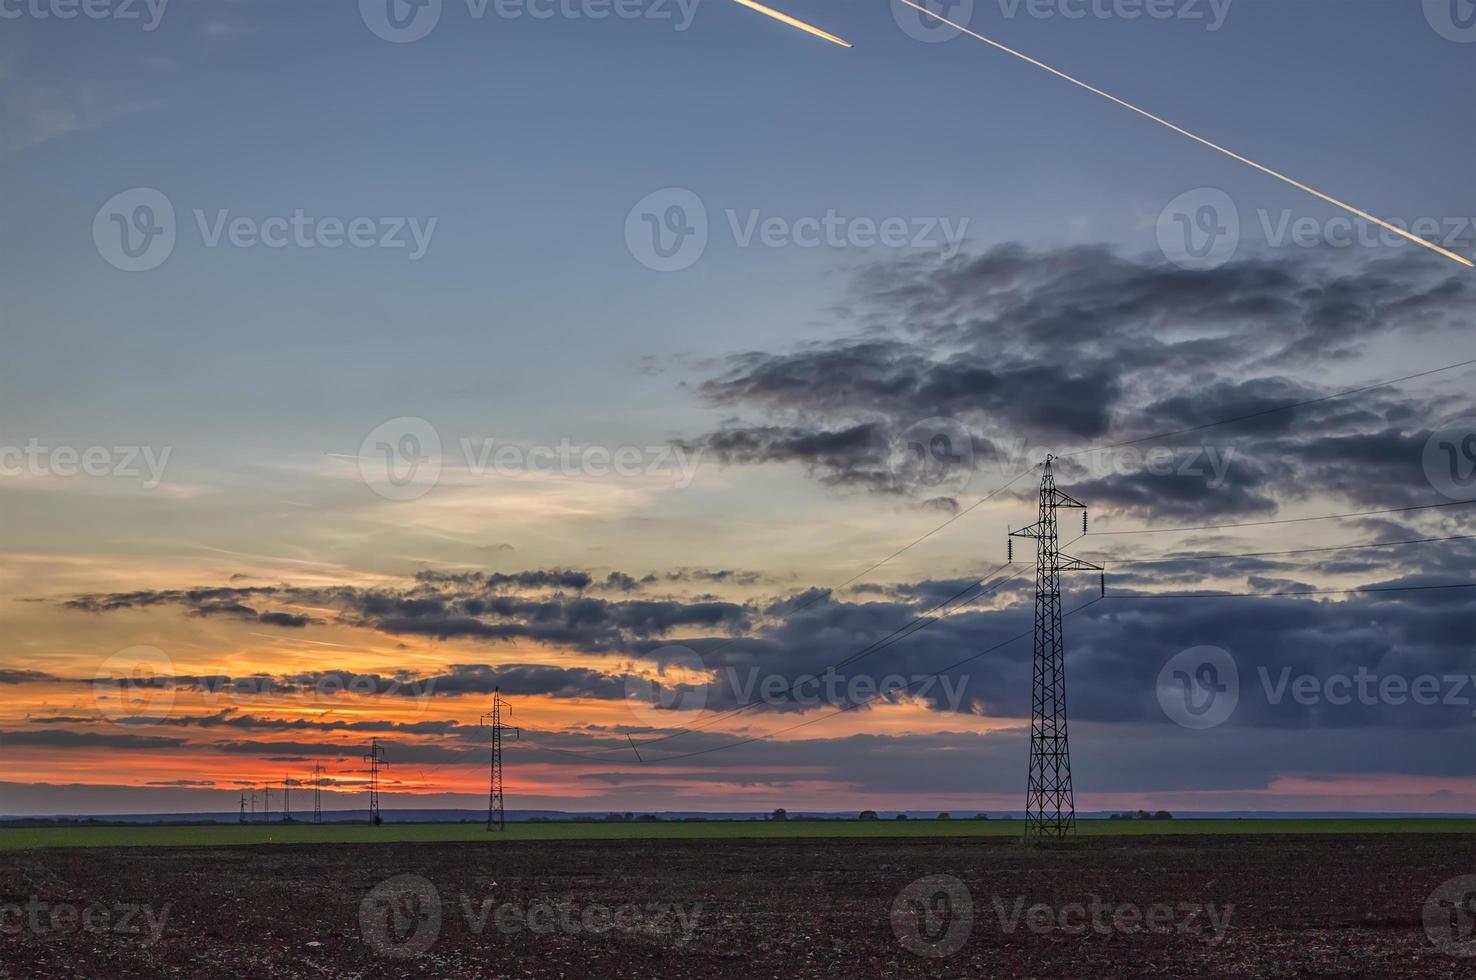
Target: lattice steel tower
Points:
(1050, 808)
(494, 794)
(375, 758)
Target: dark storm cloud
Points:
(1115, 648)
(226, 602)
(706, 575)
(14, 676)
(230, 719)
(57, 738)
(531, 579)
(980, 340)
(449, 605)
(529, 679)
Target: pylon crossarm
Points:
(1064, 499)
(1035, 531)
(1070, 564)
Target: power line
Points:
(1160, 435)
(1262, 595)
(1279, 408)
(1292, 520)
(1118, 445)
(1271, 554)
(1290, 406)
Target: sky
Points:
(631, 357)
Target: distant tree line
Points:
(1142, 815)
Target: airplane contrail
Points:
(1198, 139)
(785, 18)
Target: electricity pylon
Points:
(1050, 808)
(494, 794)
(317, 792)
(243, 807)
(286, 800)
(375, 758)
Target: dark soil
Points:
(1304, 906)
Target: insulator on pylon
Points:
(1104, 585)
(1083, 522)
(1010, 546)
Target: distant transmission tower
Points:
(243, 807)
(266, 808)
(317, 792)
(495, 814)
(1050, 808)
(286, 800)
(375, 758)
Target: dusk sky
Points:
(350, 375)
